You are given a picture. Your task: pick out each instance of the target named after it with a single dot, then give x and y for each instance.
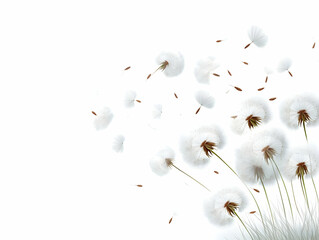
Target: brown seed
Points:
(272, 99)
(170, 220)
(216, 172)
(127, 68)
(247, 45)
(238, 89)
(219, 40)
(139, 185)
(94, 113)
(266, 79)
(256, 190)
(252, 212)
(234, 116)
(314, 44)
(245, 63)
(229, 73)
(198, 110)
(290, 74)
(175, 95)
(149, 75)
(139, 101)
(260, 89)
(215, 74)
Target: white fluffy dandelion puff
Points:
(118, 143)
(223, 206)
(204, 70)
(172, 64)
(285, 65)
(251, 114)
(268, 72)
(302, 110)
(257, 37)
(163, 161)
(157, 111)
(204, 99)
(200, 145)
(102, 118)
(130, 99)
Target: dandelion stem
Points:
(283, 182)
(293, 194)
(244, 185)
(243, 225)
(314, 185)
(190, 177)
(282, 200)
(304, 128)
(302, 181)
(272, 216)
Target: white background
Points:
(59, 60)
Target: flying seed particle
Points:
(266, 79)
(245, 63)
(229, 73)
(260, 89)
(139, 101)
(175, 95)
(216, 172)
(247, 45)
(252, 212)
(219, 40)
(272, 99)
(238, 89)
(290, 74)
(234, 117)
(170, 220)
(127, 68)
(94, 113)
(139, 185)
(215, 74)
(198, 110)
(256, 190)
(314, 44)
(149, 75)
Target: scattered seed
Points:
(139, 185)
(216, 172)
(219, 40)
(266, 79)
(127, 68)
(149, 75)
(256, 190)
(238, 89)
(175, 95)
(139, 101)
(272, 99)
(245, 63)
(170, 220)
(229, 73)
(94, 113)
(234, 117)
(290, 73)
(260, 89)
(247, 45)
(215, 74)
(252, 212)
(314, 44)
(198, 110)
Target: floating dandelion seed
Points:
(102, 118)
(127, 68)
(175, 95)
(204, 99)
(223, 206)
(219, 41)
(268, 72)
(118, 143)
(157, 111)
(260, 89)
(256, 190)
(302, 110)
(252, 212)
(169, 222)
(139, 185)
(251, 114)
(246, 63)
(229, 73)
(314, 44)
(200, 145)
(285, 65)
(238, 89)
(272, 99)
(130, 99)
(216, 172)
(205, 69)
(257, 37)
(171, 64)
(164, 161)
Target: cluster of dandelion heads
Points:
(130, 99)
(298, 110)
(204, 69)
(118, 143)
(301, 162)
(102, 118)
(199, 145)
(250, 114)
(250, 168)
(257, 37)
(172, 64)
(205, 99)
(161, 163)
(221, 207)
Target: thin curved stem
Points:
(314, 185)
(272, 216)
(302, 181)
(190, 177)
(243, 225)
(304, 129)
(283, 182)
(293, 194)
(261, 216)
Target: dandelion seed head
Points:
(161, 162)
(129, 99)
(204, 69)
(103, 118)
(204, 99)
(175, 62)
(284, 65)
(257, 36)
